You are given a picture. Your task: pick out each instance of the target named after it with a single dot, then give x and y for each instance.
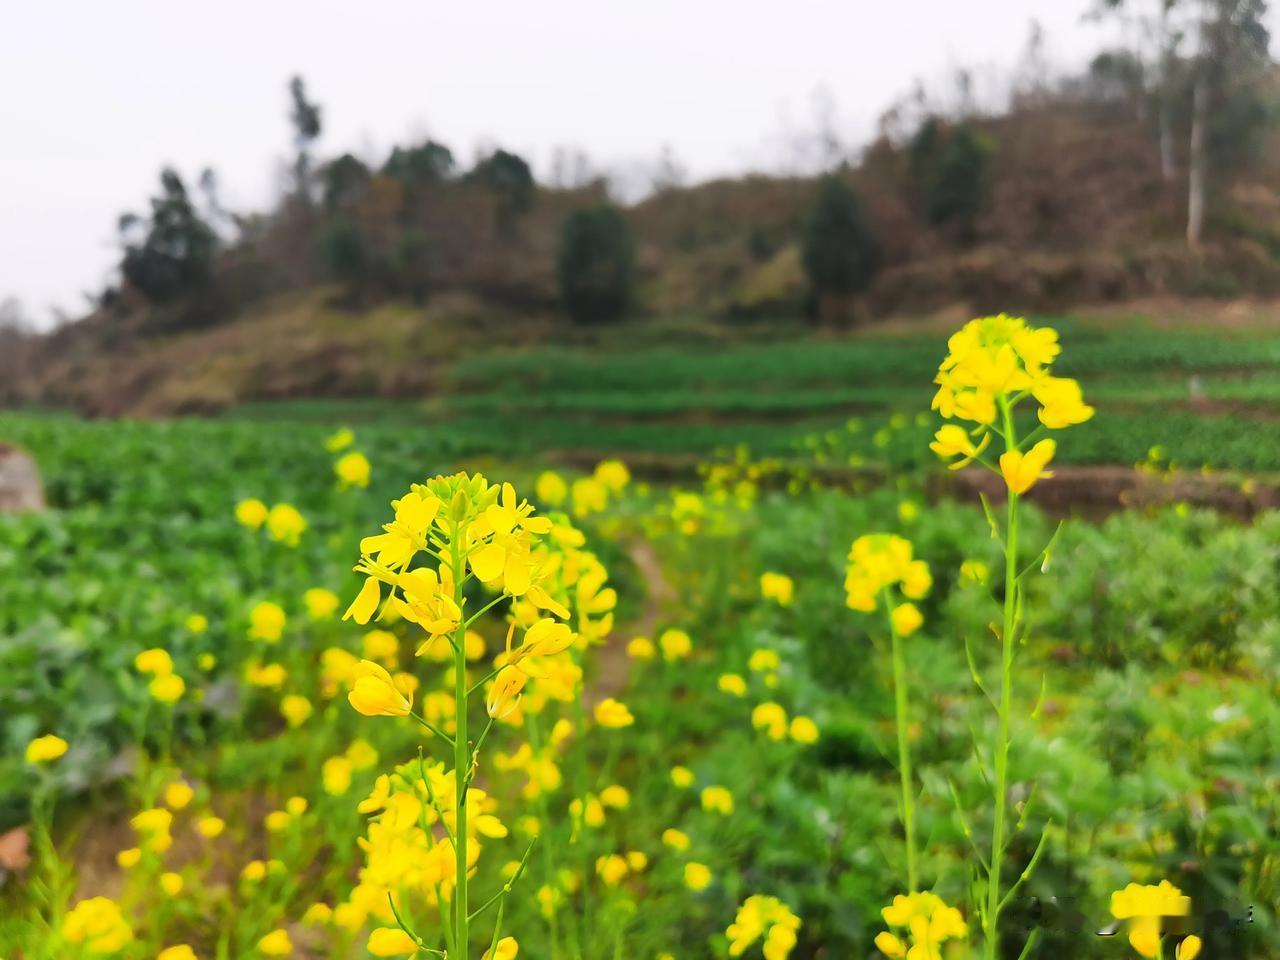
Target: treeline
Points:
(1199, 94)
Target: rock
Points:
(20, 487)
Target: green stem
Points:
(548, 855)
(481, 612)
(991, 918)
(461, 766)
(904, 746)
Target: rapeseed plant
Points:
(882, 572)
(432, 820)
(993, 365)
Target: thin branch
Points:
(1031, 866)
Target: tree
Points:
(342, 250)
(168, 255)
(595, 264)
(429, 162)
(410, 265)
(957, 186)
(344, 180)
(840, 251)
(508, 176)
(305, 118)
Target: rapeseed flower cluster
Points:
(165, 686)
(927, 923)
(763, 917)
(1144, 907)
(431, 821)
(992, 364)
(880, 563)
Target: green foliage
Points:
(409, 265)
(840, 253)
(957, 187)
(595, 264)
(429, 162)
(169, 254)
(509, 177)
(344, 180)
(343, 252)
(1146, 769)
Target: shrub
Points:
(595, 264)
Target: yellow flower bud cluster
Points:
(879, 562)
(992, 364)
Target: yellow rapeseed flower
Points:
(266, 622)
(155, 661)
(954, 441)
(167, 688)
(716, 799)
(675, 839)
(613, 474)
(45, 749)
(767, 917)
(772, 719)
(285, 524)
(178, 795)
(928, 922)
(507, 949)
(615, 796)
(320, 603)
(352, 470)
(1021, 470)
(675, 644)
(391, 942)
(777, 587)
(733, 684)
(295, 709)
(906, 619)
(210, 827)
(613, 714)
(251, 513)
(804, 730)
(276, 944)
(335, 774)
(374, 694)
(1144, 907)
(98, 925)
(550, 488)
(697, 876)
(612, 869)
(641, 648)
(180, 952)
(340, 440)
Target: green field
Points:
(1208, 398)
(1142, 709)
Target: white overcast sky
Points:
(96, 96)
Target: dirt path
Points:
(614, 666)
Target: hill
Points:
(370, 281)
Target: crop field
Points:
(1206, 398)
(741, 708)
